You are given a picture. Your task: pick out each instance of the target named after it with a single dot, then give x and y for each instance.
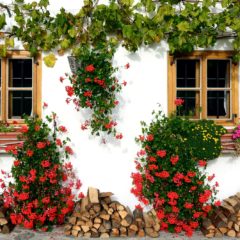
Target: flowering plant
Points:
(236, 138)
(95, 87)
(41, 194)
(170, 176)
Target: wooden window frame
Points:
(203, 56)
(36, 84)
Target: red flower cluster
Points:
(89, 68)
(41, 194)
(179, 101)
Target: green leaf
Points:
(225, 3)
(65, 43)
(50, 60)
(2, 20)
(72, 33)
(127, 3)
(183, 26)
(44, 3)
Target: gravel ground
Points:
(57, 234)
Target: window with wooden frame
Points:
(208, 84)
(20, 88)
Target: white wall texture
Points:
(109, 166)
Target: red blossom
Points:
(45, 105)
(174, 159)
(61, 79)
(160, 214)
(69, 150)
(41, 145)
(24, 129)
(163, 174)
(16, 163)
(90, 68)
(150, 137)
(127, 66)
(202, 163)
(45, 163)
(217, 203)
(37, 128)
(59, 142)
(69, 90)
(210, 178)
(62, 129)
(119, 136)
(139, 207)
(161, 153)
(188, 205)
(29, 153)
(172, 195)
(87, 94)
(179, 101)
(46, 200)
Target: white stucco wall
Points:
(109, 166)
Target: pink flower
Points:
(127, 66)
(62, 129)
(69, 150)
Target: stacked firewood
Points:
(225, 220)
(5, 223)
(97, 215)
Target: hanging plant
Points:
(95, 87)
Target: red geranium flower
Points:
(202, 163)
(179, 101)
(69, 150)
(89, 68)
(41, 145)
(161, 153)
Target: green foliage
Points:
(184, 25)
(168, 174)
(5, 127)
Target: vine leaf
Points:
(50, 60)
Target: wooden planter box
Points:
(228, 145)
(8, 138)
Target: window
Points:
(208, 83)
(20, 86)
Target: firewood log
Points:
(231, 233)
(120, 207)
(85, 228)
(107, 224)
(114, 232)
(75, 233)
(93, 195)
(76, 227)
(97, 220)
(84, 203)
(104, 235)
(218, 233)
(223, 230)
(72, 220)
(141, 233)
(151, 232)
(123, 232)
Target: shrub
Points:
(170, 176)
(40, 195)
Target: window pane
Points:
(19, 103)
(191, 103)
(218, 73)
(20, 73)
(188, 73)
(218, 104)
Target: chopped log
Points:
(149, 222)
(115, 223)
(68, 232)
(84, 203)
(76, 227)
(87, 234)
(131, 233)
(89, 223)
(120, 207)
(223, 230)
(208, 233)
(96, 225)
(113, 205)
(230, 224)
(133, 227)
(231, 233)
(93, 195)
(97, 208)
(137, 214)
(116, 216)
(106, 200)
(151, 232)
(94, 233)
(105, 206)
(104, 215)
(104, 235)
(107, 224)
(110, 211)
(85, 228)
(67, 227)
(141, 233)
(236, 227)
(123, 232)
(114, 232)
(97, 220)
(218, 219)
(123, 213)
(157, 227)
(102, 229)
(75, 233)
(72, 220)
(80, 222)
(218, 233)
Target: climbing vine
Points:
(184, 24)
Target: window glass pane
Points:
(20, 73)
(218, 73)
(218, 104)
(188, 73)
(191, 103)
(19, 103)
